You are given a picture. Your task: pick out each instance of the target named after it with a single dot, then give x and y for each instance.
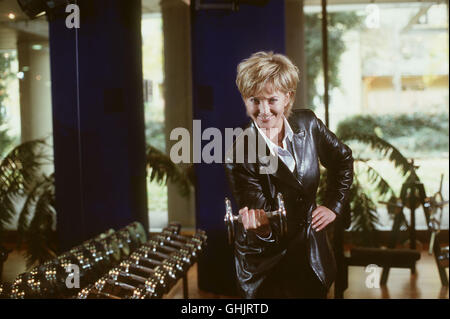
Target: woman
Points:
(299, 264)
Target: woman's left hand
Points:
(321, 217)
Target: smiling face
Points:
(267, 108)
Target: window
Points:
(153, 68)
(389, 64)
(9, 101)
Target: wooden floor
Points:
(425, 284)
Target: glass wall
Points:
(25, 102)
(153, 69)
(9, 101)
(25, 117)
(388, 77)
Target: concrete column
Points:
(295, 48)
(177, 95)
(35, 92)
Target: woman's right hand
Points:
(255, 220)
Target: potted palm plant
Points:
(364, 216)
(21, 177)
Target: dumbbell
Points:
(130, 238)
(231, 219)
(139, 232)
(48, 279)
(107, 288)
(120, 285)
(26, 286)
(112, 249)
(162, 277)
(197, 239)
(174, 227)
(192, 247)
(175, 259)
(150, 285)
(184, 255)
(120, 244)
(141, 258)
(199, 235)
(100, 254)
(90, 269)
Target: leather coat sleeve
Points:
(255, 257)
(245, 184)
(337, 158)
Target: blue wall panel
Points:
(98, 120)
(220, 40)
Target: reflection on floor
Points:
(425, 284)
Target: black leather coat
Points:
(256, 259)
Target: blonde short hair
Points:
(266, 67)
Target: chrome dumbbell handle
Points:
(230, 219)
(275, 213)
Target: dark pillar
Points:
(98, 120)
(220, 40)
(295, 46)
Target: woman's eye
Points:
(273, 100)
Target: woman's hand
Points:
(255, 220)
(321, 217)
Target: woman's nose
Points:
(264, 107)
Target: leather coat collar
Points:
(282, 172)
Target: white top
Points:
(282, 152)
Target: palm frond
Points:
(381, 185)
(39, 236)
(364, 214)
(161, 169)
(27, 209)
(384, 147)
(18, 171)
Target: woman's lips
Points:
(265, 119)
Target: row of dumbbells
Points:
(152, 270)
(93, 259)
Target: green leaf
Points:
(19, 170)
(39, 237)
(380, 145)
(161, 169)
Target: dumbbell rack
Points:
(123, 264)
